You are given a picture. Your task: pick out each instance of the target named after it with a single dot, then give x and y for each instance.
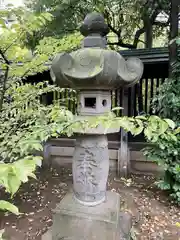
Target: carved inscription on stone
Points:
(90, 168)
(86, 165)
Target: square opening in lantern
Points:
(90, 102)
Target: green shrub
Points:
(166, 151)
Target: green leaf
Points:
(178, 194)
(4, 205)
(178, 224)
(141, 117)
(2, 23)
(170, 123)
(148, 133)
(37, 146)
(163, 126)
(176, 187)
(173, 137)
(38, 160)
(33, 176)
(163, 185)
(24, 168)
(4, 172)
(177, 131)
(14, 183)
(178, 41)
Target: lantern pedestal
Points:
(74, 221)
(90, 169)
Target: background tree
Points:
(128, 20)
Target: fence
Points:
(139, 97)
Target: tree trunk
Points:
(148, 33)
(174, 12)
(2, 93)
(149, 36)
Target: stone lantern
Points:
(90, 212)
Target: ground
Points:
(154, 215)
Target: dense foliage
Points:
(25, 123)
(128, 20)
(167, 151)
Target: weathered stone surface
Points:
(95, 30)
(93, 68)
(102, 222)
(94, 103)
(90, 169)
(94, 23)
(47, 235)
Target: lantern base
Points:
(90, 204)
(74, 221)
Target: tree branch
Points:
(28, 70)
(137, 36)
(118, 33)
(127, 45)
(5, 78)
(122, 44)
(4, 57)
(4, 87)
(149, 20)
(161, 24)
